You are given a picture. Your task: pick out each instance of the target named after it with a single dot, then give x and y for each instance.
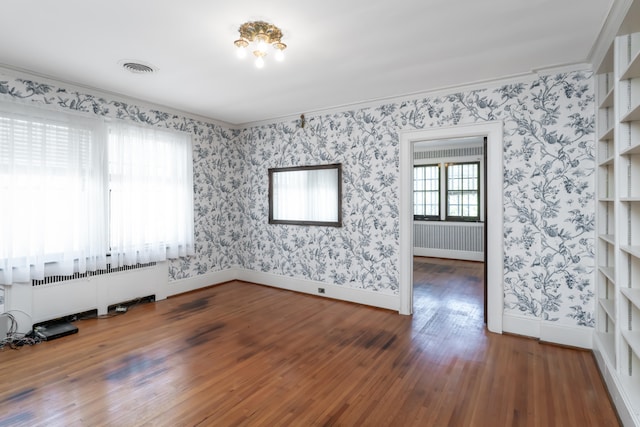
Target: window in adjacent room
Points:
(447, 191)
(426, 192)
(463, 191)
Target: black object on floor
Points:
(52, 331)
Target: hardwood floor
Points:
(243, 354)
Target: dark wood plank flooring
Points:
(240, 354)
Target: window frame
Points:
(305, 221)
(462, 218)
(436, 217)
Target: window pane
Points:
(426, 190)
(52, 189)
(151, 194)
(463, 190)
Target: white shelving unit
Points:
(617, 336)
(605, 205)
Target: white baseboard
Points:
(619, 397)
(443, 253)
(521, 325)
(202, 281)
(376, 299)
(574, 336)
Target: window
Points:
(449, 193)
(463, 191)
(52, 191)
(72, 191)
(426, 192)
(150, 195)
(306, 195)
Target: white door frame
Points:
(494, 221)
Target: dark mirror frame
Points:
(273, 220)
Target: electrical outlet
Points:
(321, 290)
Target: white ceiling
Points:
(340, 52)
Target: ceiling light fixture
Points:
(259, 37)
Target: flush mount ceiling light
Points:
(260, 37)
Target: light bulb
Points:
(279, 55)
(259, 62)
(261, 43)
(241, 44)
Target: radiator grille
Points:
(108, 270)
(449, 152)
(468, 238)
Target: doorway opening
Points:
(449, 213)
(492, 131)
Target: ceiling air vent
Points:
(138, 67)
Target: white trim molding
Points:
(450, 254)
(343, 293)
(550, 332)
(608, 31)
(493, 130)
(575, 336)
(360, 296)
(201, 281)
(621, 400)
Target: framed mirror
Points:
(306, 195)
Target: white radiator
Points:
(449, 240)
(40, 301)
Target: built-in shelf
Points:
(632, 250)
(609, 307)
(609, 238)
(632, 295)
(607, 161)
(617, 335)
(608, 134)
(633, 339)
(607, 101)
(633, 69)
(609, 272)
(634, 149)
(632, 115)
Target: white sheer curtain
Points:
(52, 193)
(151, 195)
(306, 195)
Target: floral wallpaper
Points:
(363, 253)
(548, 188)
(548, 192)
(549, 201)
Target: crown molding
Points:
(442, 91)
(16, 72)
(608, 33)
